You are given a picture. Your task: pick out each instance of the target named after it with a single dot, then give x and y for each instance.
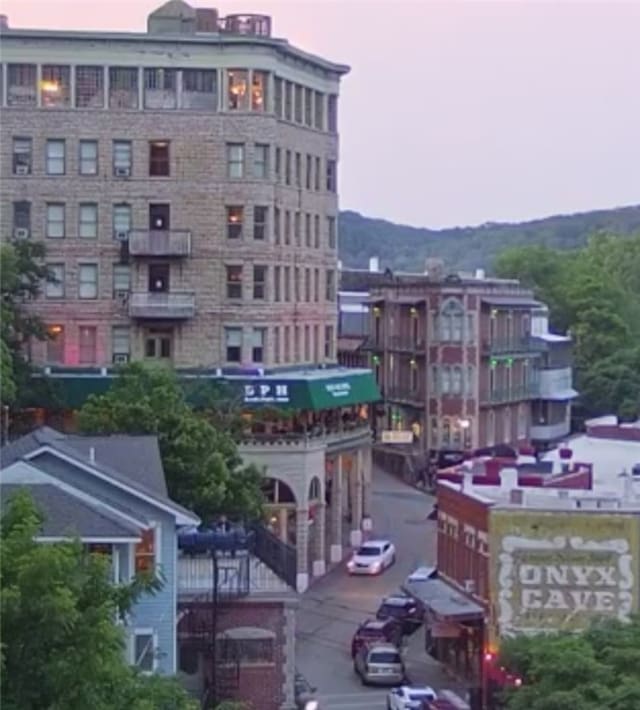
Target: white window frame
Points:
(145, 631)
(116, 342)
(88, 165)
(87, 229)
(55, 164)
(261, 166)
(122, 155)
(50, 232)
(81, 282)
(55, 290)
(235, 161)
(118, 211)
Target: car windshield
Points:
(421, 695)
(384, 657)
(388, 610)
(368, 551)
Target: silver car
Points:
(380, 664)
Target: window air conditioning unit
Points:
(122, 295)
(22, 170)
(122, 171)
(121, 358)
(469, 586)
(21, 233)
(122, 235)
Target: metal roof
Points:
(443, 599)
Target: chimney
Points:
(374, 264)
(480, 274)
(92, 454)
(467, 482)
(434, 269)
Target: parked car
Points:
(407, 611)
(410, 697)
(372, 558)
(380, 664)
(375, 631)
(305, 694)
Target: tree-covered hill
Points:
(466, 248)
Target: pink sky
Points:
(455, 113)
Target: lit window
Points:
(88, 281)
(88, 159)
(260, 222)
(259, 91)
(145, 558)
(260, 161)
(55, 157)
(233, 344)
(55, 226)
(237, 90)
(55, 344)
(54, 288)
(89, 87)
(235, 160)
(235, 216)
(55, 86)
(87, 345)
(88, 221)
(159, 164)
(234, 281)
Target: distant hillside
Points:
(466, 248)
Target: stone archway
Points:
(280, 509)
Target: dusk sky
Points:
(454, 113)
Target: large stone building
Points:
(184, 181)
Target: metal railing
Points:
(510, 394)
(506, 346)
(309, 435)
(159, 242)
(404, 394)
(280, 557)
(166, 305)
(407, 343)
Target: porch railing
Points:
(280, 557)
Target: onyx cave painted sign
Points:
(559, 571)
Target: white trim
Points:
(115, 561)
(86, 540)
(145, 631)
(181, 518)
(157, 544)
(132, 562)
(174, 606)
(44, 477)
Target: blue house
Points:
(109, 492)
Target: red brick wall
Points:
(463, 554)
(260, 685)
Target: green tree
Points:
(203, 468)
(593, 670)
(61, 647)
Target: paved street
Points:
(333, 607)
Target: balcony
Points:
(550, 432)
(163, 306)
(406, 343)
(347, 434)
(155, 242)
(372, 343)
(398, 393)
(555, 384)
(513, 346)
(511, 394)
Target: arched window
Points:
(452, 321)
(314, 489)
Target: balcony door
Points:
(158, 343)
(159, 278)
(159, 217)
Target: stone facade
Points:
(299, 317)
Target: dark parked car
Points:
(376, 631)
(405, 610)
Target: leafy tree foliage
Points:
(61, 647)
(204, 471)
(595, 293)
(595, 670)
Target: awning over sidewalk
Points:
(443, 600)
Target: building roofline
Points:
(280, 45)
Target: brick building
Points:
(184, 181)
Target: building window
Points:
(491, 428)
(257, 344)
(55, 344)
(145, 558)
(21, 219)
(120, 344)
(296, 228)
(506, 425)
(308, 107)
(259, 282)
(277, 97)
(88, 158)
(470, 328)
(307, 229)
(159, 164)
(316, 285)
(261, 161)
(276, 225)
(332, 113)
(307, 285)
(199, 89)
(89, 87)
(435, 380)
(87, 345)
(316, 231)
(470, 381)
(276, 345)
(234, 281)
(159, 276)
(330, 294)
(446, 433)
(298, 169)
(287, 344)
(22, 156)
(277, 277)
(287, 167)
(235, 216)
(523, 421)
(332, 176)
(451, 320)
(158, 344)
(456, 381)
(435, 431)
(298, 93)
(122, 158)
(296, 343)
(55, 226)
(296, 283)
(121, 220)
(121, 278)
(55, 86)
(287, 227)
(259, 83)
(316, 343)
(22, 89)
(287, 284)
(307, 343)
(250, 651)
(332, 236)
(88, 220)
(288, 103)
(317, 174)
(445, 381)
(123, 87)
(329, 345)
(233, 342)
(55, 157)
(278, 165)
(237, 90)
(526, 325)
(160, 88)
(235, 160)
(159, 216)
(260, 222)
(319, 111)
(88, 281)
(144, 651)
(54, 286)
